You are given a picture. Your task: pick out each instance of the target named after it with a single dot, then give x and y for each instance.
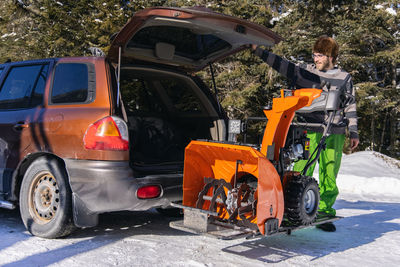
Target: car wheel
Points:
(301, 200)
(45, 199)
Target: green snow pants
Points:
(329, 164)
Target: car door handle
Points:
(20, 126)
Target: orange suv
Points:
(87, 135)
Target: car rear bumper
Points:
(105, 186)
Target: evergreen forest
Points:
(368, 32)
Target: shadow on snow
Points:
(12, 229)
(112, 228)
(372, 222)
(352, 232)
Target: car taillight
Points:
(149, 191)
(109, 133)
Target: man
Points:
(325, 52)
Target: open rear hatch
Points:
(186, 38)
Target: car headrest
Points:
(165, 51)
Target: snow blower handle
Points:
(327, 84)
(321, 145)
(349, 98)
(334, 102)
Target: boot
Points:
(327, 227)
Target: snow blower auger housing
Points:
(232, 189)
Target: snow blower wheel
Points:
(301, 200)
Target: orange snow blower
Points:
(231, 189)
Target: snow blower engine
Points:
(233, 190)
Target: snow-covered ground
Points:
(368, 235)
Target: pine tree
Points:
(47, 28)
(368, 32)
(372, 52)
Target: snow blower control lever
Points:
(233, 189)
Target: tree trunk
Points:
(394, 114)
(393, 126)
(373, 129)
(383, 130)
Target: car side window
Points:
(38, 92)
(138, 95)
(182, 97)
(73, 83)
(19, 85)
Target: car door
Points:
(21, 98)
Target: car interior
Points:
(165, 111)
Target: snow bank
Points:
(369, 173)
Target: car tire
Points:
(301, 200)
(45, 199)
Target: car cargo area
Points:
(165, 111)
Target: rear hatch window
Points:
(187, 43)
(185, 38)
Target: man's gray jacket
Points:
(308, 76)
